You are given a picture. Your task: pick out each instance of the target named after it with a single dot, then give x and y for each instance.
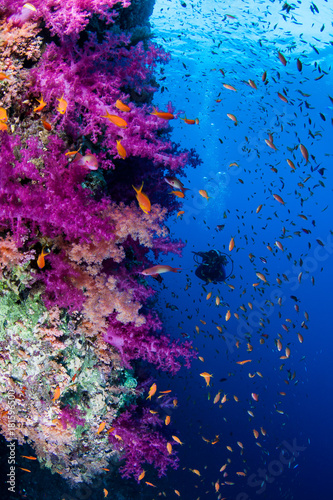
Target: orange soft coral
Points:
(10, 255)
(17, 46)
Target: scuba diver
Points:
(211, 268)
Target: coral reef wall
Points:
(76, 134)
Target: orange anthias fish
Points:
(261, 277)
(101, 427)
(255, 433)
(282, 97)
(41, 106)
(56, 394)
(175, 438)
(142, 475)
(279, 199)
(252, 84)
(41, 258)
(207, 377)
(232, 117)
(179, 194)
(3, 119)
(270, 144)
(143, 200)
(190, 122)
(116, 120)
(195, 471)
(162, 114)
(62, 106)
(152, 391)
(3, 115)
(72, 153)
(204, 194)
(3, 76)
(159, 269)
(47, 125)
(304, 152)
(282, 58)
(229, 87)
(121, 150)
(121, 106)
(243, 362)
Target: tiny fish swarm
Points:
(74, 240)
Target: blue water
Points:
(202, 40)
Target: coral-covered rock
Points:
(77, 133)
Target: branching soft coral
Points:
(74, 322)
(92, 79)
(19, 47)
(67, 18)
(40, 192)
(71, 416)
(144, 343)
(141, 442)
(10, 256)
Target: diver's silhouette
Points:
(211, 268)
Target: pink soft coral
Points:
(10, 256)
(90, 79)
(144, 343)
(141, 442)
(65, 18)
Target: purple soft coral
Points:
(141, 442)
(71, 416)
(141, 342)
(90, 79)
(62, 18)
(51, 201)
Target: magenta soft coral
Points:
(92, 79)
(141, 442)
(48, 200)
(71, 416)
(64, 18)
(143, 342)
(59, 287)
